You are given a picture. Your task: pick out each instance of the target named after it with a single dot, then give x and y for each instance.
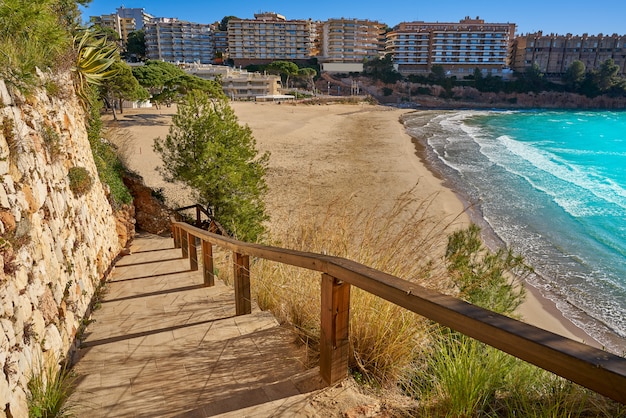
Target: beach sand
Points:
(319, 153)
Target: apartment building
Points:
(139, 14)
(238, 84)
(555, 53)
(121, 25)
(459, 47)
(177, 41)
(346, 43)
(270, 37)
(123, 22)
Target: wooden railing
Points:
(595, 369)
(211, 224)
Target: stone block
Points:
(18, 407)
(5, 97)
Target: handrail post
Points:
(335, 318)
(243, 304)
(198, 216)
(176, 235)
(184, 238)
(193, 252)
(207, 263)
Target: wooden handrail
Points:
(199, 211)
(598, 370)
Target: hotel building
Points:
(270, 37)
(346, 43)
(177, 41)
(555, 53)
(459, 47)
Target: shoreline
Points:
(299, 135)
(537, 309)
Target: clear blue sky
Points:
(561, 16)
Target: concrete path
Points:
(162, 345)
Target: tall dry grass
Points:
(402, 240)
(451, 374)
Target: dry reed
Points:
(402, 240)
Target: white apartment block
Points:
(177, 41)
(459, 47)
(270, 37)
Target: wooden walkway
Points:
(162, 345)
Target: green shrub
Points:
(49, 392)
(32, 35)
(80, 180)
(110, 168)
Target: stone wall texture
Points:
(56, 245)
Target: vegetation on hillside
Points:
(577, 79)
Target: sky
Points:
(560, 17)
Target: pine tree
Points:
(209, 150)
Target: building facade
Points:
(555, 53)
(270, 37)
(123, 22)
(345, 42)
(459, 48)
(138, 14)
(121, 25)
(351, 40)
(177, 41)
(238, 84)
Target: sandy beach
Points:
(319, 153)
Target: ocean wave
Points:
(574, 181)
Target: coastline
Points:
(374, 160)
(536, 309)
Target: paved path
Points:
(162, 345)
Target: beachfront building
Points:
(459, 48)
(270, 37)
(138, 14)
(238, 84)
(346, 43)
(123, 22)
(555, 53)
(177, 41)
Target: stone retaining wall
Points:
(55, 244)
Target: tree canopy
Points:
(284, 68)
(223, 26)
(122, 86)
(208, 150)
(136, 45)
(168, 84)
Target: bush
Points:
(110, 168)
(33, 34)
(80, 180)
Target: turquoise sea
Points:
(552, 186)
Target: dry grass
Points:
(402, 241)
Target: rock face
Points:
(56, 240)
(151, 214)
